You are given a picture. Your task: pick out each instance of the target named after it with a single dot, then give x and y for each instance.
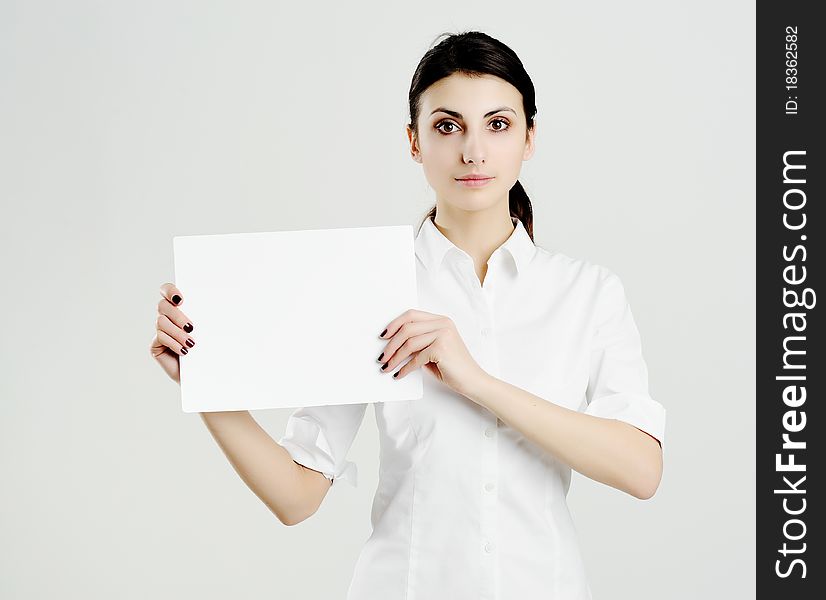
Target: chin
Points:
(473, 202)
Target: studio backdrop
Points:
(123, 124)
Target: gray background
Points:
(123, 124)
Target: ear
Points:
(414, 144)
(529, 143)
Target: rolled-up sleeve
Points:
(319, 437)
(618, 378)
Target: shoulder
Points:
(594, 288)
(577, 271)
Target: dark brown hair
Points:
(476, 53)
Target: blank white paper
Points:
(292, 318)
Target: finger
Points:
(411, 346)
(420, 358)
(174, 314)
(406, 331)
(160, 344)
(174, 337)
(172, 293)
(156, 347)
(163, 342)
(406, 317)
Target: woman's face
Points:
(471, 125)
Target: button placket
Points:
(487, 297)
(487, 328)
(489, 507)
(490, 452)
(480, 295)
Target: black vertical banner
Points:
(791, 437)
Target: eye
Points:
(504, 125)
(507, 125)
(440, 123)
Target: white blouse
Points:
(466, 507)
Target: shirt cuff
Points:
(318, 455)
(639, 410)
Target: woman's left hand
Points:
(434, 343)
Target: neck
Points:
(478, 233)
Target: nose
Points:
(472, 152)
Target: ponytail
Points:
(520, 207)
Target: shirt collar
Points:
(432, 246)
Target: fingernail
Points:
(188, 328)
(381, 356)
(382, 333)
(184, 350)
(176, 299)
(396, 373)
(384, 366)
(190, 343)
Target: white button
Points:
(488, 547)
(490, 486)
(489, 432)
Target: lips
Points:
(478, 181)
(473, 177)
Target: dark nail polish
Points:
(184, 350)
(190, 343)
(382, 333)
(188, 328)
(176, 299)
(396, 373)
(381, 355)
(384, 366)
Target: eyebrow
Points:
(457, 115)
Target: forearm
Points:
(264, 465)
(606, 450)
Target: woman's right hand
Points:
(172, 337)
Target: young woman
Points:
(534, 368)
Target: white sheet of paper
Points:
(292, 318)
